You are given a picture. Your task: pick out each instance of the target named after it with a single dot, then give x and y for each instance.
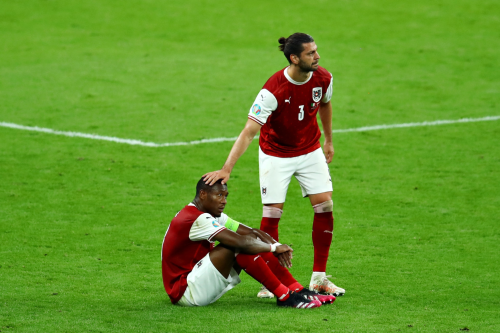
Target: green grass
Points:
(416, 238)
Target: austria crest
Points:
(317, 94)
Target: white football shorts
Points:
(206, 284)
(275, 173)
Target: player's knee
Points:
(324, 207)
(223, 253)
(272, 212)
(223, 259)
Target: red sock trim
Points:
(281, 293)
(296, 287)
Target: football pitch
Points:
(416, 201)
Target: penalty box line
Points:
(196, 142)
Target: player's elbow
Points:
(248, 134)
(251, 129)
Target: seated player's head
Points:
(211, 199)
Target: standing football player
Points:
(285, 113)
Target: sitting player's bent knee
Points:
(223, 259)
(324, 207)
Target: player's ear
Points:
(295, 60)
(203, 194)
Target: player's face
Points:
(309, 58)
(215, 200)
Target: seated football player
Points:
(197, 273)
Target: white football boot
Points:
(264, 293)
(321, 285)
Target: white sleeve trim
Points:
(205, 227)
(329, 92)
(263, 106)
(215, 233)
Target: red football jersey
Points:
(287, 110)
(180, 253)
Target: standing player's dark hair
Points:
(294, 44)
(205, 187)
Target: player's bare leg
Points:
(271, 214)
(322, 238)
(222, 258)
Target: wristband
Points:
(273, 247)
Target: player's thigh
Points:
(313, 173)
(206, 284)
(275, 174)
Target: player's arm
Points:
(285, 258)
(264, 105)
(248, 244)
(264, 236)
(206, 227)
(240, 146)
(325, 114)
(242, 229)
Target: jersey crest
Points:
(317, 94)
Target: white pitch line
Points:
(111, 138)
(196, 142)
(424, 123)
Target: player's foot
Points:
(324, 299)
(264, 293)
(321, 284)
(297, 301)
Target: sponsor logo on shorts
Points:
(199, 263)
(317, 93)
(256, 109)
(215, 223)
(264, 191)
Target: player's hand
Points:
(211, 177)
(285, 259)
(284, 253)
(328, 150)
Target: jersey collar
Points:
(289, 78)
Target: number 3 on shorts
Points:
(301, 112)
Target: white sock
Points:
(317, 275)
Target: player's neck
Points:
(297, 74)
(198, 205)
